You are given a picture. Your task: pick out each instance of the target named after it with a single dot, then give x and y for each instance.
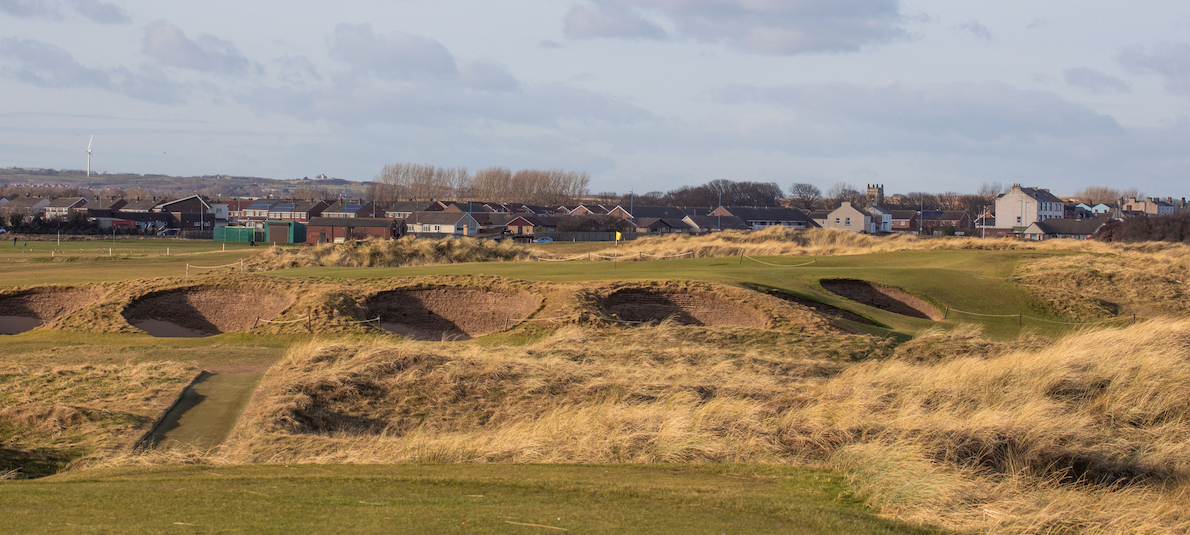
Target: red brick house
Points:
(339, 229)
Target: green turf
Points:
(73, 262)
(62, 348)
(206, 413)
(442, 499)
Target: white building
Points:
(1022, 207)
(881, 219)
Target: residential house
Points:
(349, 208)
(442, 224)
(1021, 207)
(934, 221)
(881, 217)
(675, 212)
(530, 224)
(661, 225)
(100, 207)
(138, 206)
(906, 221)
(299, 211)
(850, 218)
(819, 216)
(1150, 206)
(25, 207)
(761, 217)
(61, 207)
(340, 229)
(1078, 229)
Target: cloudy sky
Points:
(643, 94)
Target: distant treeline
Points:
(1167, 228)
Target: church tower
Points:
(875, 194)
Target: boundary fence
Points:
(1021, 317)
(189, 266)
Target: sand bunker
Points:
(823, 308)
(203, 312)
(26, 312)
(882, 297)
(683, 308)
(449, 313)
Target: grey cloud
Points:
(980, 112)
(404, 57)
(546, 43)
(31, 9)
(46, 65)
(168, 45)
(762, 27)
(1038, 23)
(399, 56)
(610, 20)
(1169, 60)
(92, 9)
(1096, 82)
(405, 79)
(977, 29)
(100, 11)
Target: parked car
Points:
(3, 230)
(544, 240)
(168, 232)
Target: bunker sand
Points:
(28, 311)
(882, 297)
(450, 313)
(204, 312)
(684, 308)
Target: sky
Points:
(645, 95)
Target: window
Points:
(1018, 220)
(437, 228)
(836, 221)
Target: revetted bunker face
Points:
(882, 297)
(450, 313)
(684, 308)
(190, 313)
(29, 311)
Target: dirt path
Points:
(207, 412)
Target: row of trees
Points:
(421, 182)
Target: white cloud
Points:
(168, 45)
(1095, 82)
(756, 26)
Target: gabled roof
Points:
(1077, 227)
(262, 204)
(66, 202)
(903, 214)
(534, 220)
(104, 204)
(764, 213)
(140, 205)
(1038, 194)
(437, 218)
(661, 222)
(25, 202)
(727, 222)
(638, 212)
(283, 206)
(163, 204)
(410, 206)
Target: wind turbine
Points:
(89, 155)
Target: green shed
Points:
(284, 232)
(235, 234)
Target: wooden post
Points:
(945, 312)
(741, 259)
(255, 322)
(640, 255)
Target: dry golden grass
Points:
(52, 416)
(1090, 433)
(406, 251)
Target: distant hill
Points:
(16, 179)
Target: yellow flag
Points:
(617, 236)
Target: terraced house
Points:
(1022, 207)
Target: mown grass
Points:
(47, 262)
(63, 348)
(444, 499)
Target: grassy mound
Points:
(406, 251)
(50, 417)
(1032, 437)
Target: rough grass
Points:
(406, 251)
(50, 417)
(1088, 433)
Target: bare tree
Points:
(806, 194)
(843, 191)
